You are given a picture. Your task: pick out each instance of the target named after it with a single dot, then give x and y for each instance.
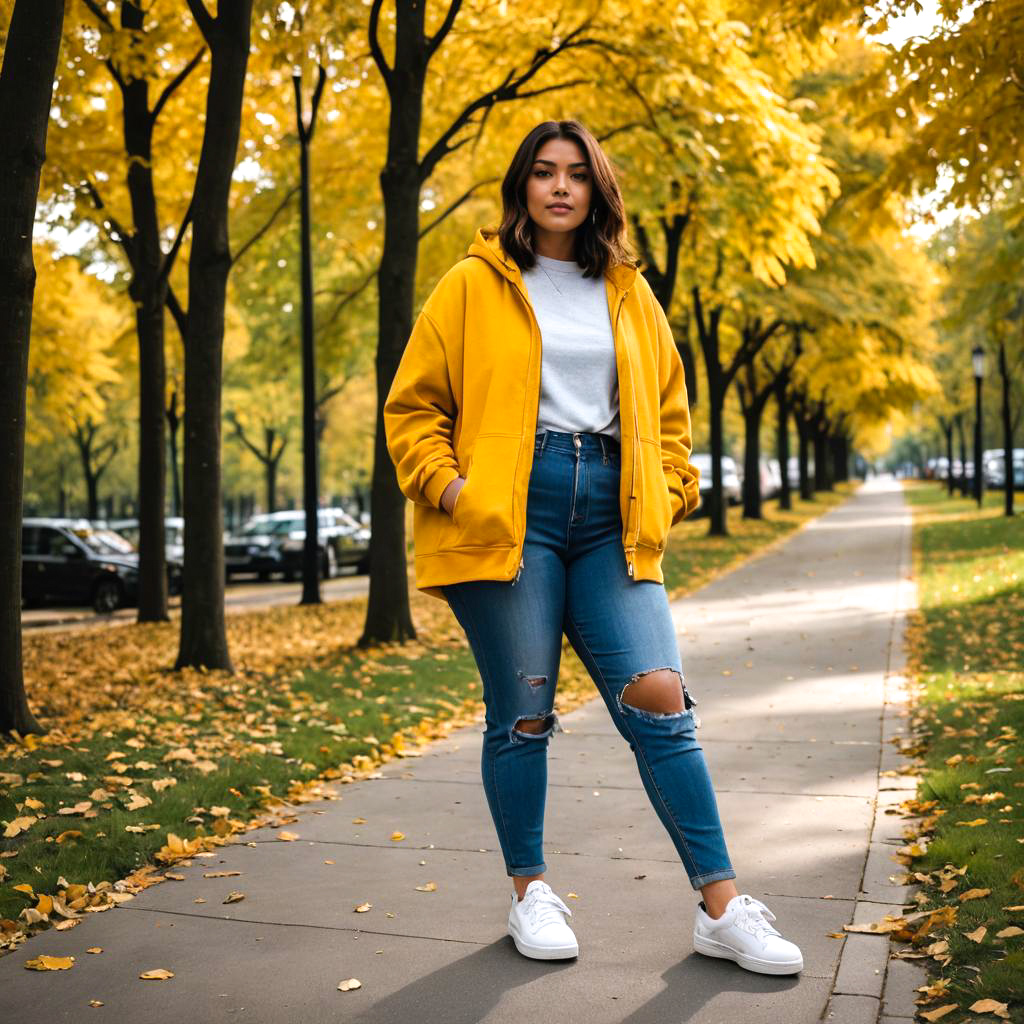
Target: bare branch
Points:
(179, 314)
(509, 89)
(289, 195)
(115, 232)
(168, 263)
(375, 50)
(99, 14)
(455, 205)
(321, 81)
(174, 83)
(346, 298)
(202, 18)
(446, 26)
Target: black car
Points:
(72, 562)
(274, 543)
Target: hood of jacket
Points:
(487, 246)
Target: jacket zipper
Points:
(525, 298)
(630, 549)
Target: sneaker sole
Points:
(709, 947)
(545, 952)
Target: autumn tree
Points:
(31, 44)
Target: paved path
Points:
(787, 656)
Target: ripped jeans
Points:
(574, 581)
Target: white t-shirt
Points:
(579, 382)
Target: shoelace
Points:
(542, 905)
(754, 916)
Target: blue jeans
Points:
(574, 580)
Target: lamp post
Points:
(978, 362)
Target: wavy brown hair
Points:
(600, 241)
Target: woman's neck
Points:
(556, 245)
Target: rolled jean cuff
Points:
(537, 869)
(712, 876)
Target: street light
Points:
(978, 362)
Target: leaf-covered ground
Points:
(142, 767)
(966, 848)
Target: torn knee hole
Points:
(534, 723)
(533, 681)
(658, 689)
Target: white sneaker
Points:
(743, 934)
(538, 926)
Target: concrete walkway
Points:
(788, 657)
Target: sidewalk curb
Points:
(869, 987)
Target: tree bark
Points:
(803, 427)
(753, 402)
(1007, 419)
(310, 466)
(962, 479)
(782, 438)
(203, 641)
(26, 86)
(173, 423)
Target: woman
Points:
(545, 479)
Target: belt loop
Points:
(604, 450)
(543, 440)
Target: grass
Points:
(966, 649)
(133, 745)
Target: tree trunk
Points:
(26, 85)
(822, 476)
(148, 292)
(707, 330)
(947, 430)
(1004, 375)
(310, 474)
(203, 641)
(388, 615)
(782, 438)
(803, 427)
(962, 479)
(173, 422)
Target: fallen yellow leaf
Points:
(933, 1015)
(234, 897)
(974, 822)
(158, 974)
(427, 887)
(95, 1003)
(977, 935)
(50, 963)
(19, 825)
(287, 837)
(974, 894)
(95, 949)
(397, 835)
(358, 821)
(72, 833)
(1010, 933)
(991, 1006)
(349, 984)
(363, 908)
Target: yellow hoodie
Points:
(464, 403)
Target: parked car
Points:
(274, 543)
(174, 544)
(71, 561)
(730, 478)
(771, 478)
(995, 470)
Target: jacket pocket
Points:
(484, 510)
(655, 499)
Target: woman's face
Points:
(559, 187)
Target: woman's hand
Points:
(450, 495)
